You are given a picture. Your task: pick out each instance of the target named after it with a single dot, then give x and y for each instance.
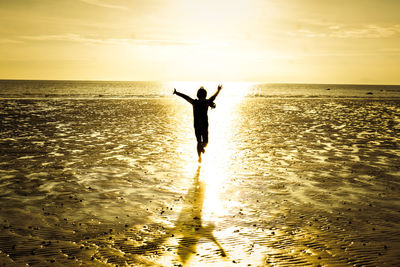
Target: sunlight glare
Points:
(216, 160)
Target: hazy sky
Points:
(310, 41)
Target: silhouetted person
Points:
(200, 108)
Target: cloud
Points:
(10, 41)
(391, 50)
(368, 31)
(100, 3)
(162, 42)
(307, 33)
(348, 31)
(72, 37)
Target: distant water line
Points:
(38, 89)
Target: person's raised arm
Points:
(187, 98)
(216, 93)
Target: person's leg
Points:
(197, 131)
(199, 150)
(204, 137)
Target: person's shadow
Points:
(189, 224)
(188, 228)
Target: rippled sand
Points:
(283, 182)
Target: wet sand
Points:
(103, 182)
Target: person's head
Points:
(201, 93)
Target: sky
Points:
(289, 41)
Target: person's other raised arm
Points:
(216, 93)
(187, 98)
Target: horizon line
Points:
(207, 81)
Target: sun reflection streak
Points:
(205, 204)
(217, 157)
(212, 175)
(219, 152)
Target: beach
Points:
(285, 181)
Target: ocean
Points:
(105, 173)
(126, 89)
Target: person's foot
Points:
(199, 159)
(202, 147)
